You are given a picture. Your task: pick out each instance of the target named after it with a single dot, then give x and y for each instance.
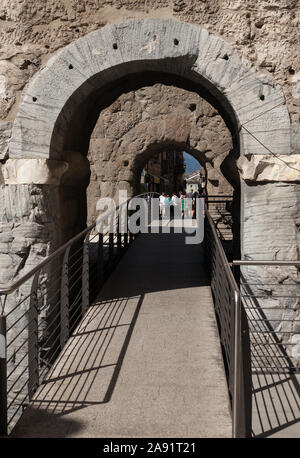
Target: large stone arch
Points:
(60, 94)
(55, 108)
(50, 100)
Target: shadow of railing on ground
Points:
(275, 404)
(275, 377)
(96, 349)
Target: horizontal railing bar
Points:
(20, 406)
(13, 286)
(48, 302)
(77, 252)
(18, 335)
(272, 332)
(267, 320)
(75, 310)
(220, 196)
(18, 305)
(75, 273)
(18, 364)
(264, 263)
(75, 306)
(274, 357)
(15, 352)
(260, 285)
(277, 344)
(17, 320)
(55, 317)
(266, 296)
(51, 349)
(46, 291)
(258, 308)
(17, 380)
(74, 282)
(76, 321)
(266, 370)
(50, 336)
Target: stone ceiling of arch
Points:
(154, 115)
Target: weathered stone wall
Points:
(138, 124)
(265, 32)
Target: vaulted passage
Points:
(86, 126)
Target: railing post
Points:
(85, 294)
(125, 227)
(33, 344)
(64, 300)
(129, 235)
(111, 250)
(125, 235)
(100, 260)
(3, 377)
(119, 237)
(237, 423)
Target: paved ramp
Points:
(146, 359)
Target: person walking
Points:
(161, 204)
(166, 205)
(189, 204)
(183, 206)
(195, 197)
(175, 204)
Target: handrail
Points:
(221, 251)
(235, 356)
(61, 288)
(13, 286)
(245, 262)
(68, 297)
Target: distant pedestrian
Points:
(166, 205)
(195, 197)
(183, 205)
(161, 204)
(189, 204)
(176, 205)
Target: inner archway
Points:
(139, 119)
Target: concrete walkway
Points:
(146, 359)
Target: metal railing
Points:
(220, 210)
(272, 310)
(271, 297)
(40, 310)
(233, 330)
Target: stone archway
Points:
(144, 121)
(56, 104)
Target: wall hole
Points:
(262, 97)
(176, 42)
(125, 163)
(291, 71)
(225, 57)
(192, 107)
(115, 46)
(34, 99)
(71, 66)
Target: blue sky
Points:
(191, 163)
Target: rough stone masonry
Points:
(244, 53)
